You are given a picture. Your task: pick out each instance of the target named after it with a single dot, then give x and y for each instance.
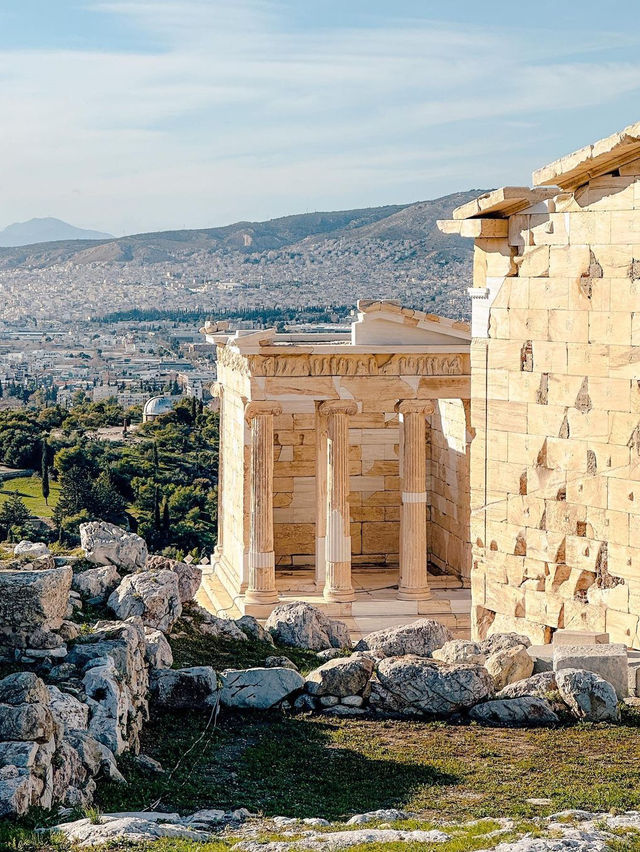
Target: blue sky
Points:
(133, 115)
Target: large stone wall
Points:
(555, 474)
(448, 489)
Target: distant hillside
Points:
(312, 259)
(45, 231)
(393, 222)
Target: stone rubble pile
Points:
(82, 698)
(578, 831)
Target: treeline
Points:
(162, 483)
(263, 315)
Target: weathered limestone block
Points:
(460, 651)
(420, 637)
(194, 688)
(341, 677)
(116, 682)
(301, 625)
(509, 665)
(608, 661)
(538, 685)
(435, 689)
(157, 650)
(33, 549)
(189, 576)
(107, 544)
(33, 600)
(152, 595)
(588, 696)
(252, 628)
(96, 584)
(527, 711)
(258, 688)
(68, 712)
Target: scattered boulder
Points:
(33, 603)
(33, 549)
(152, 595)
(609, 661)
(588, 696)
(538, 685)
(258, 688)
(509, 665)
(502, 641)
(431, 687)
(280, 663)
(148, 764)
(194, 688)
(252, 628)
(330, 654)
(107, 544)
(129, 828)
(189, 576)
(68, 712)
(116, 682)
(460, 651)
(527, 710)
(96, 584)
(23, 688)
(301, 625)
(157, 650)
(419, 638)
(208, 624)
(340, 677)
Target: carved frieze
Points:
(343, 365)
(233, 360)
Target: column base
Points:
(253, 596)
(423, 594)
(339, 595)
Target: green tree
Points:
(45, 472)
(13, 514)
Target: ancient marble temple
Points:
(344, 461)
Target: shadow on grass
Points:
(268, 764)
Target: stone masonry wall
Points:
(448, 489)
(555, 473)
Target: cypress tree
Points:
(45, 473)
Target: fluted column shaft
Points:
(338, 585)
(414, 539)
(262, 571)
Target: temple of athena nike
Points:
(487, 478)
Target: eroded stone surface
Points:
(301, 625)
(527, 711)
(420, 637)
(587, 695)
(436, 689)
(340, 677)
(107, 544)
(152, 595)
(258, 688)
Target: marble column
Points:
(338, 586)
(262, 570)
(321, 499)
(414, 539)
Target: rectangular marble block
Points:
(609, 661)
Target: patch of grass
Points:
(30, 489)
(194, 649)
(333, 768)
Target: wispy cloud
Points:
(238, 114)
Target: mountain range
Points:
(45, 231)
(392, 223)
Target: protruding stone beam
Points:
(262, 567)
(414, 539)
(338, 586)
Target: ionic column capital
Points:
(255, 409)
(416, 406)
(338, 406)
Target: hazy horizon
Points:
(131, 116)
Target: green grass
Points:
(319, 766)
(194, 649)
(30, 489)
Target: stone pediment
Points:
(387, 323)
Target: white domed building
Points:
(156, 407)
